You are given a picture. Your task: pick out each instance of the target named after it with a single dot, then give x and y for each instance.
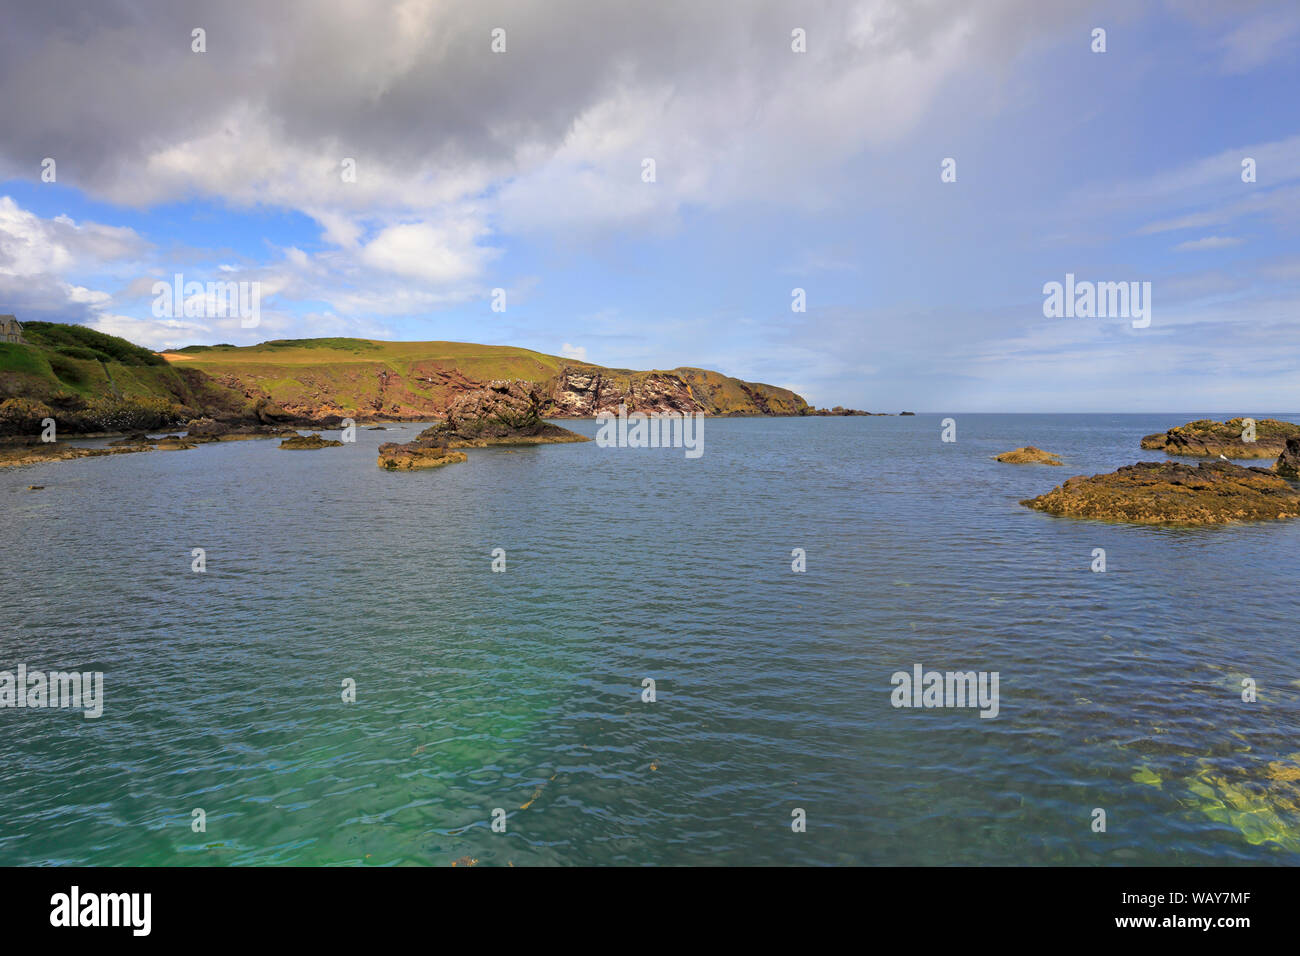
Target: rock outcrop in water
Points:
(504, 413)
(309, 442)
(203, 430)
(1029, 455)
(1288, 463)
(414, 455)
(174, 443)
(36, 453)
(1174, 493)
(838, 410)
(1206, 438)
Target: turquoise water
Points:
(479, 690)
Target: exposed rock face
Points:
(1174, 493)
(1029, 455)
(23, 416)
(308, 442)
(269, 413)
(579, 392)
(1288, 463)
(207, 429)
(1210, 439)
(504, 413)
(416, 454)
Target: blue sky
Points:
(775, 170)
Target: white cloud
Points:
(1209, 242)
(30, 245)
(576, 352)
(443, 253)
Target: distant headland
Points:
(93, 383)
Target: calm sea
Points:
(522, 691)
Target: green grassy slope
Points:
(81, 377)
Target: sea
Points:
(575, 655)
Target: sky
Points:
(524, 169)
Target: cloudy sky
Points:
(774, 170)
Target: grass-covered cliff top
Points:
(482, 362)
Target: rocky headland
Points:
(1206, 438)
(1174, 493)
(95, 385)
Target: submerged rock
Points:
(1174, 493)
(1263, 804)
(1288, 463)
(307, 442)
(1029, 455)
(1206, 438)
(410, 456)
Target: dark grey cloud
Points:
(413, 86)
